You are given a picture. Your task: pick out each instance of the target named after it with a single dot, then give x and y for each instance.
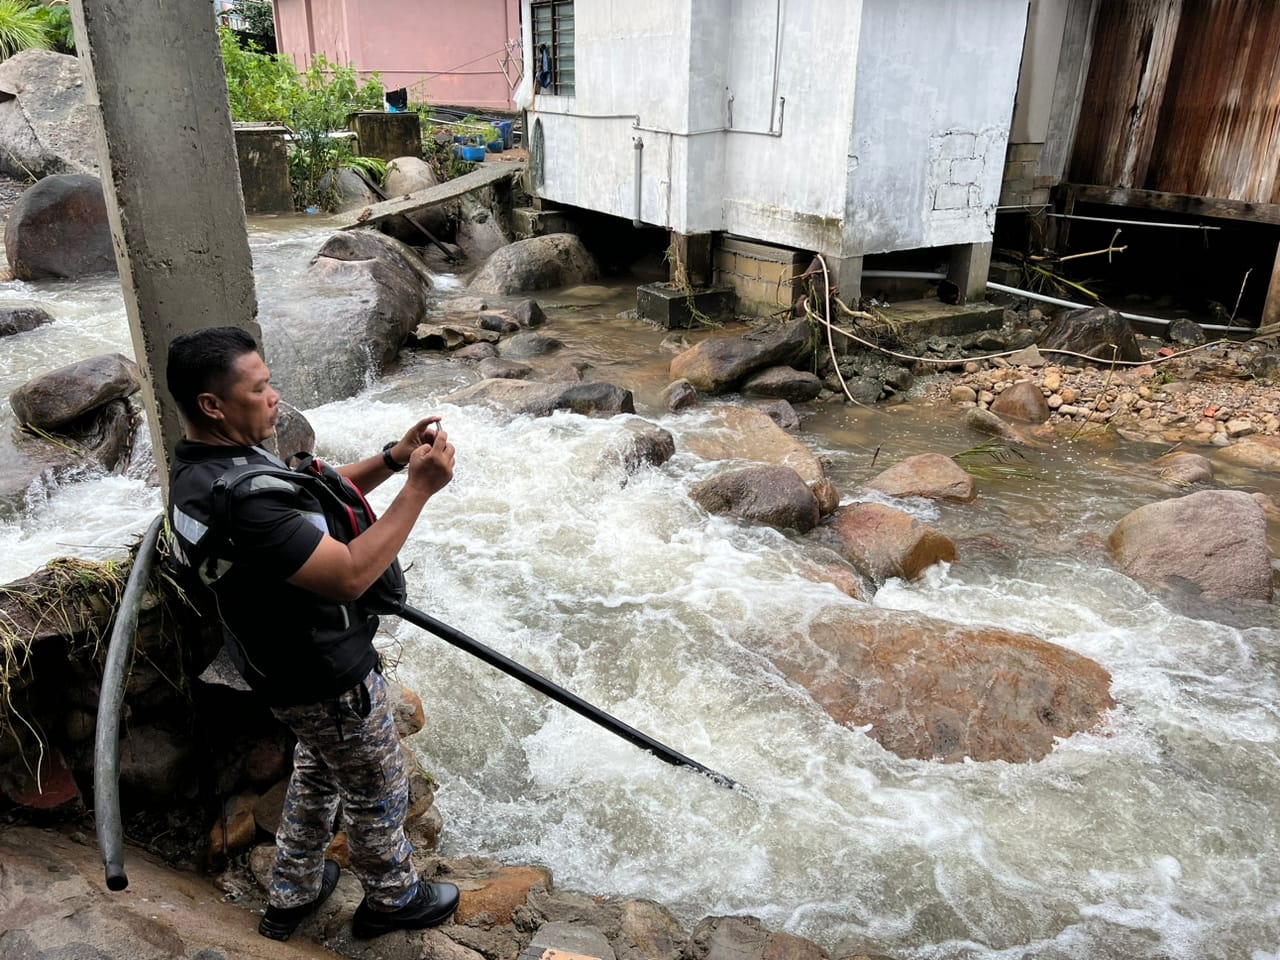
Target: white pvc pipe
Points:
(904, 274)
(1043, 298)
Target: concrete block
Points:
(529, 222)
(966, 171)
(778, 273)
(956, 146)
(725, 262)
(388, 135)
(263, 156)
(1025, 151)
(1039, 196)
(951, 196)
(674, 308)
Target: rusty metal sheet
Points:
(1183, 97)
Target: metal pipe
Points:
(638, 143)
(1056, 301)
(106, 748)
(635, 123)
(904, 274)
(777, 55)
(1135, 223)
(558, 693)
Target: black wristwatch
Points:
(391, 462)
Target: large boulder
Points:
(541, 399)
(555, 260)
(480, 232)
(1181, 468)
(59, 229)
(405, 176)
(745, 433)
(101, 439)
(22, 316)
(882, 542)
(772, 495)
(930, 475)
(1256, 451)
(56, 398)
(1215, 539)
(46, 127)
(720, 363)
(933, 690)
(1097, 332)
(640, 444)
(1022, 401)
(346, 191)
(783, 383)
(746, 938)
(346, 318)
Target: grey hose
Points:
(106, 750)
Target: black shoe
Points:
(279, 922)
(432, 904)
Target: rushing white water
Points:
(1154, 836)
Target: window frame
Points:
(560, 44)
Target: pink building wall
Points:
(445, 52)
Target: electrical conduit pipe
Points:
(638, 143)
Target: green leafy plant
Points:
(57, 26)
(374, 168)
(23, 26)
(313, 104)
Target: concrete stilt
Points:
(846, 277)
(970, 263)
(689, 263)
(1271, 309)
(167, 156)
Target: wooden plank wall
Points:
(1183, 97)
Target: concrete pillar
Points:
(167, 158)
(1271, 309)
(689, 260)
(846, 277)
(970, 263)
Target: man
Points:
(287, 592)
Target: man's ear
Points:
(209, 405)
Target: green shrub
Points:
(312, 104)
(57, 26)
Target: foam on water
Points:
(1151, 837)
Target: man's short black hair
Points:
(201, 362)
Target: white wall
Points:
(791, 189)
(936, 84)
(893, 135)
(632, 59)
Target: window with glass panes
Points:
(553, 29)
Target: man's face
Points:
(248, 404)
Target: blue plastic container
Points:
(474, 154)
(504, 127)
(494, 146)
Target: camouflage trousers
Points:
(348, 751)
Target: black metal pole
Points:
(558, 693)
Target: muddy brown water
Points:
(1153, 836)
